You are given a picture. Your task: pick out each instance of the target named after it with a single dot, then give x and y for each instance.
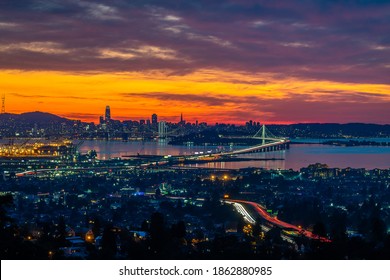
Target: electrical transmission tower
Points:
(3, 104)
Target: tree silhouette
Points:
(5, 201)
(240, 224)
(145, 226)
(108, 243)
(378, 230)
(319, 229)
(256, 231)
(179, 230)
(157, 232)
(7, 239)
(96, 226)
(61, 231)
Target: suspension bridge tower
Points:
(162, 129)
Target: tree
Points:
(5, 201)
(240, 224)
(179, 230)
(157, 232)
(61, 231)
(338, 225)
(108, 242)
(257, 229)
(319, 229)
(378, 230)
(145, 226)
(96, 226)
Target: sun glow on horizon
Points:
(208, 95)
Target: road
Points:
(273, 220)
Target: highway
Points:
(272, 220)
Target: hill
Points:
(33, 117)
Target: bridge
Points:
(269, 142)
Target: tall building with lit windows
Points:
(154, 119)
(108, 113)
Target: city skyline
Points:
(226, 61)
(176, 119)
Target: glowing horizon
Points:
(137, 96)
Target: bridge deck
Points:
(257, 147)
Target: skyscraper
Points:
(154, 119)
(108, 113)
(182, 121)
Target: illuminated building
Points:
(108, 113)
(154, 119)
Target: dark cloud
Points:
(325, 40)
(83, 116)
(27, 95)
(68, 97)
(350, 96)
(204, 99)
(305, 111)
(303, 108)
(331, 106)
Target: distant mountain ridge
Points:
(332, 130)
(34, 117)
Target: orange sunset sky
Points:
(228, 61)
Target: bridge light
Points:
(225, 177)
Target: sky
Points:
(284, 61)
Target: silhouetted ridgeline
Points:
(331, 130)
(352, 143)
(32, 117)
